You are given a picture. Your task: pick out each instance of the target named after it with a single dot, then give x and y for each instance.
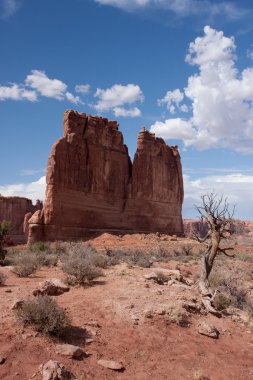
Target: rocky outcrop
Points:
(14, 209)
(92, 183)
(195, 227)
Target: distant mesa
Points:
(93, 185)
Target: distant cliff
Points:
(14, 210)
(92, 183)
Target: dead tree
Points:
(215, 211)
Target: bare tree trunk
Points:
(207, 265)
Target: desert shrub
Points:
(10, 257)
(25, 264)
(2, 278)
(40, 246)
(49, 260)
(59, 248)
(231, 285)
(139, 258)
(177, 315)
(82, 264)
(245, 256)
(221, 301)
(43, 314)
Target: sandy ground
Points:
(115, 313)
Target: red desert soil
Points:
(119, 303)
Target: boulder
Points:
(209, 330)
(69, 350)
(111, 364)
(53, 370)
(52, 287)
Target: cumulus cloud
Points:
(33, 190)
(82, 88)
(17, 92)
(73, 99)
(132, 112)
(237, 186)
(50, 88)
(172, 100)
(221, 98)
(117, 97)
(37, 84)
(182, 8)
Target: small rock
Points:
(2, 360)
(209, 330)
(93, 323)
(69, 350)
(54, 370)
(8, 291)
(89, 340)
(151, 276)
(52, 287)
(111, 364)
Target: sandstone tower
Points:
(93, 185)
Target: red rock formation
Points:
(92, 184)
(195, 227)
(14, 209)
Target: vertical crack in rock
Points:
(92, 183)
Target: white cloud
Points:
(17, 92)
(115, 98)
(236, 187)
(38, 84)
(34, 190)
(182, 8)
(73, 99)
(221, 98)
(9, 7)
(50, 88)
(172, 100)
(173, 129)
(132, 112)
(82, 88)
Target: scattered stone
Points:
(54, 370)
(173, 274)
(69, 350)
(2, 360)
(111, 364)
(192, 307)
(8, 291)
(151, 276)
(209, 330)
(93, 324)
(52, 287)
(89, 340)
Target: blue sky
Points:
(181, 68)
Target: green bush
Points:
(43, 314)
